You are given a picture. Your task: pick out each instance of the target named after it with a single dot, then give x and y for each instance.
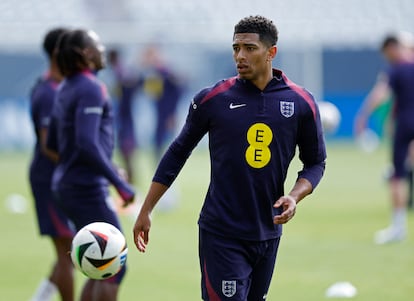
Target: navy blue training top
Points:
(81, 131)
(401, 79)
(41, 104)
(253, 136)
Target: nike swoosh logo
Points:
(235, 106)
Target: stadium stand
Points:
(318, 38)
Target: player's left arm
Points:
(288, 202)
(312, 153)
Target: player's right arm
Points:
(379, 93)
(143, 222)
(168, 169)
(43, 136)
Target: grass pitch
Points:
(329, 240)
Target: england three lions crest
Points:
(287, 108)
(228, 288)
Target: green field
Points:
(329, 240)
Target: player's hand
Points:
(288, 205)
(126, 192)
(141, 231)
(123, 174)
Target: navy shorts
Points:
(84, 205)
(233, 269)
(51, 219)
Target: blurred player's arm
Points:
(49, 139)
(42, 109)
(88, 118)
(378, 95)
(51, 154)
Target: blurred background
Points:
(330, 47)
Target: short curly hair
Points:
(268, 33)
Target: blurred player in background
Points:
(395, 49)
(122, 88)
(396, 85)
(165, 88)
(52, 221)
(254, 121)
(82, 132)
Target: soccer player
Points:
(123, 88)
(254, 122)
(81, 131)
(397, 82)
(165, 88)
(51, 220)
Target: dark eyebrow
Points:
(245, 44)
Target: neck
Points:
(262, 81)
(55, 73)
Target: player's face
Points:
(253, 58)
(397, 53)
(391, 53)
(96, 52)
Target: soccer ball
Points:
(330, 116)
(99, 250)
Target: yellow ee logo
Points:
(259, 137)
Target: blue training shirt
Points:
(401, 79)
(81, 132)
(41, 104)
(253, 136)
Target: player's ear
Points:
(88, 52)
(272, 52)
(90, 55)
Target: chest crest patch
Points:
(287, 108)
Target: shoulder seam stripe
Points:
(219, 89)
(302, 93)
